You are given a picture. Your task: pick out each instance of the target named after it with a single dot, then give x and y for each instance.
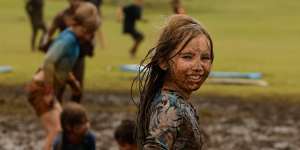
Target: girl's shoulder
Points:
(169, 99)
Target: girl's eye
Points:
(205, 57)
(187, 56)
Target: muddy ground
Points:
(231, 124)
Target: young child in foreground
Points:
(124, 135)
(75, 133)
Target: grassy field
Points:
(249, 36)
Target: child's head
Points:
(74, 120)
(124, 135)
(184, 53)
(87, 21)
(182, 39)
(181, 60)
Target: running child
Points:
(34, 9)
(129, 15)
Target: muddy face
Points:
(190, 67)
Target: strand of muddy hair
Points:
(144, 105)
(142, 73)
(139, 77)
(152, 86)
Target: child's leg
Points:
(40, 20)
(51, 122)
(138, 38)
(39, 23)
(59, 92)
(46, 107)
(30, 13)
(33, 37)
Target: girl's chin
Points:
(194, 87)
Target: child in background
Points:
(100, 34)
(178, 65)
(98, 4)
(177, 7)
(62, 21)
(57, 67)
(124, 135)
(34, 9)
(129, 15)
(75, 133)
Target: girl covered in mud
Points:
(178, 65)
(57, 67)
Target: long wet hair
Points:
(176, 34)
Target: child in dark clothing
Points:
(75, 126)
(130, 14)
(124, 135)
(34, 9)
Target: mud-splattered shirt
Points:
(173, 124)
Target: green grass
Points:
(249, 36)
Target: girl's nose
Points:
(198, 66)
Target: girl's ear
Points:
(163, 64)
